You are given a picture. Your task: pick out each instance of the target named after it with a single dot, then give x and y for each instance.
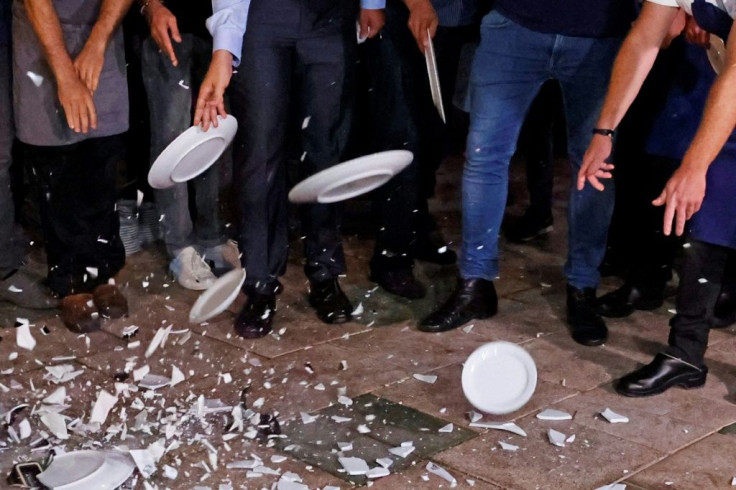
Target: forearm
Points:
(45, 22)
(634, 62)
(110, 17)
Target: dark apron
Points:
(39, 117)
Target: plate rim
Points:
(72, 484)
(211, 290)
(525, 358)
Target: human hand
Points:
(79, 107)
(164, 28)
(682, 196)
(695, 34)
(89, 62)
(423, 21)
(371, 22)
(211, 101)
(594, 165)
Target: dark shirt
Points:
(453, 13)
(580, 18)
(191, 15)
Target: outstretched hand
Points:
(371, 22)
(211, 99)
(682, 197)
(595, 165)
(423, 20)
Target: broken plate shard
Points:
(57, 397)
(145, 461)
(23, 337)
(447, 428)
(613, 417)
(426, 378)
(306, 418)
(441, 472)
(550, 414)
(56, 424)
(508, 447)
(105, 402)
(613, 486)
(154, 381)
(176, 376)
(402, 451)
(508, 426)
(354, 466)
(557, 438)
(385, 462)
(378, 472)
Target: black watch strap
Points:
(604, 132)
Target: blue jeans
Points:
(510, 66)
(170, 106)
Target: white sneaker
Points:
(191, 271)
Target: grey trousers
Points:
(169, 90)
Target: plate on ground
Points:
(191, 153)
(217, 297)
(70, 470)
(499, 378)
(352, 178)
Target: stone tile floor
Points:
(308, 371)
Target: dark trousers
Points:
(285, 55)
(705, 267)
(76, 186)
(404, 117)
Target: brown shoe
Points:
(79, 313)
(110, 301)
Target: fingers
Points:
(365, 30)
(173, 28)
(200, 106)
(669, 215)
(681, 218)
(661, 199)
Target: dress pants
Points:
(294, 62)
(77, 194)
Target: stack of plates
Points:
(84, 470)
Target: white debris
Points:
(550, 414)
(14, 289)
(344, 400)
(56, 424)
(358, 310)
(378, 472)
(570, 439)
(468, 328)
(35, 78)
(402, 451)
(25, 429)
(319, 387)
(176, 376)
(183, 85)
(474, 416)
(154, 381)
(508, 447)
(557, 438)
(159, 339)
(170, 472)
(612, 486)
(733, 481)
(441, 472)
(93, 272)
(614, 417)
(341, 420)
(345, 446)
(426, 378)
(446, 428)
(307, 419)
(305, 123)
(702, 280)
(23, 337)
(507, 426)
(354, 466)
(385, 462)
(61, 373)
(140, 372)
(13, 356)
(363, 429)
(105, 401)
(145, 461)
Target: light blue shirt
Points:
(229, 19)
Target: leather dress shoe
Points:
(623, 301)
(79, 313)
(472, 299)
(330, 302)
(661, 374)
(27, 290)
(256, 317)
(724, 312)
(109, 301)
(588, 328)
(400, 282)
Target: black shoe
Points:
(528, 228)
(432, 248)
(623, 301)
(661, 374)
(724, 313)
(472, 299)
(256, 318)
(588, 328)
(400, 282)
(330, 303)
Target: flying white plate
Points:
(499, 378)
(79, 470)
(217, 297)
(352, 178)
(434, 77)
(717, 53)
(191, 153)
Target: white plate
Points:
(716, 53)
(66, 470)
(352, 178)
(217, 297)
(191, 153)
(434, 77)
(499, 378)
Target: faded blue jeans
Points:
(169, 90)
(510, 66)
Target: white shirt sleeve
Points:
(667, 3)
(227, 26)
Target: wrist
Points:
(604, 131)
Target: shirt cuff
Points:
(229, 39)
(372, 4)
(666, 3)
